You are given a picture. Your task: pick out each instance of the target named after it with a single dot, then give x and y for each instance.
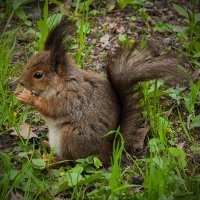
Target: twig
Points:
(7, 23)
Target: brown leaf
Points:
(120, 30)
(112, 25)
(143, 132)
(104, 39)
(24, 132)
(16, 196)
(98, 64)
(177, 29)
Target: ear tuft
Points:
(58, 41)
(59, 37)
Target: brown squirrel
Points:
(80, 106)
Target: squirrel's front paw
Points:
(26, 97)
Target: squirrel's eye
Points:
(38, 75)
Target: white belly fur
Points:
(54, 137)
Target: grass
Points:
(168, 171)
(10, 107)
(166, 167)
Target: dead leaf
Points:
(24, 132)
(98, 64)
(142, 132)
(112, 25)
(16, 196)
(177, 29)
(138, 190)
(120, 30)
(104, 39)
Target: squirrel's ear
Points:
(58, 61)
(58, 42)
(59, 37)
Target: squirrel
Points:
(80, 106)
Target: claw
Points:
(18, 90)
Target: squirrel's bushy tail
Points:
(133, 65)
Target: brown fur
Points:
(82, 105)
(133, 65)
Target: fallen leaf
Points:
(16, 196)
(24, 132)
(177, 29)
(120, 30)
(112, 25)
(104, 39)
(98, 65)
(143, 132)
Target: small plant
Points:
(190, 100)
(81, 6)
(159, 27)
(83, 30)
(135, 3)
(190, 36)
(164, 171)
(45, 24)
(115, 179)
(15, 7)
(27, 179)
(124, 40)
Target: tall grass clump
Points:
(9, 106)
(166, 167)
(83, 30)
(189, 36)
(44, 25)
